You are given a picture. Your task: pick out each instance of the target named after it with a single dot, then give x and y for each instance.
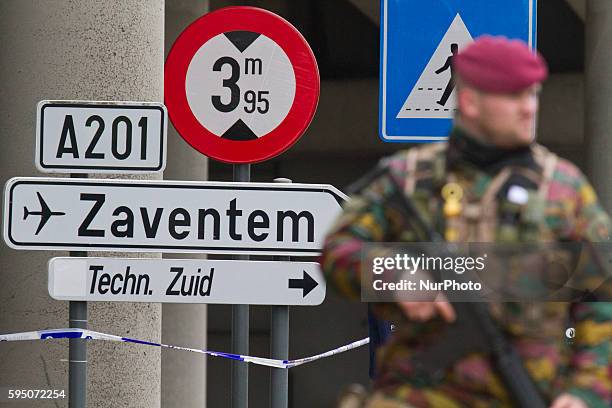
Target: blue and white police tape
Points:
(92, 335)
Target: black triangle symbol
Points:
(242, 39)
(239, 132)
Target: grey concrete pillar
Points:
(183, 374)
(598, 97)
(76, 49)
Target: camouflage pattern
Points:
(569, 211)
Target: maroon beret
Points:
(500, 65)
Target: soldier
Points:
(490, 149)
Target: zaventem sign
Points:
(168, 216)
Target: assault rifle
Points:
(473, 330)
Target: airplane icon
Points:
(45, 213)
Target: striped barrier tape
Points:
(71, 333)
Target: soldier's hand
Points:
(424, 311)
(568, 401)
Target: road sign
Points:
(186, 281)
(100, 137)
(168, 216)
(418, 38)
(241, 85)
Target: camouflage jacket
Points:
(570, 212)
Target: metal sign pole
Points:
(240, 324)
(77, 370)
(279, 349)
(279, 345)
(77, 348)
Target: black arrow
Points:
(239, 131)
(242, 39)
(306, 283)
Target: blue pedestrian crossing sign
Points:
(418, 40)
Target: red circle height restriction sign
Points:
(241, 85)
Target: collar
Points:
(462, 148)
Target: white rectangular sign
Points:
(168, 216)
(100, 137)
(186, 281)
